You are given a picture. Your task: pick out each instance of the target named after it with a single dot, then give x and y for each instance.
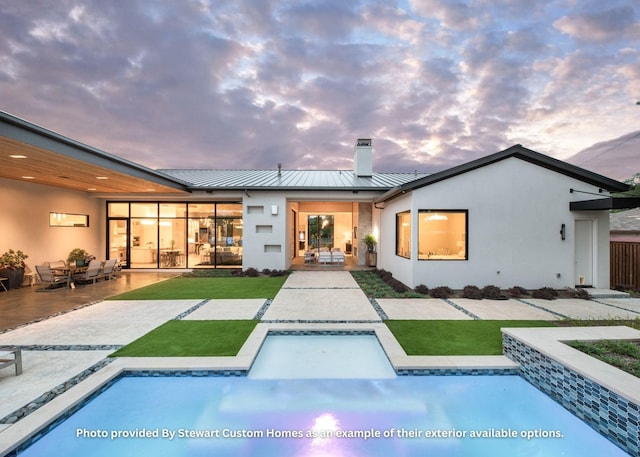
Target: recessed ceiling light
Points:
(17, 156)
(92, 188)
(102, 177)
(150, 190)
(28, 177)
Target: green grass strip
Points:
(191, 339)
(454, 337)
(193, 288)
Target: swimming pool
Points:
(405, 416)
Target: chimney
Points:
(363, 158)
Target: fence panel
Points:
(625, 264)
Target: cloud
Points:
(598, 26)
(248, 83)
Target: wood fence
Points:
(625, 264)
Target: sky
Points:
(252, 83)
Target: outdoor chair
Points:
(49, 280)
(29, 276)
(6, 360)
(92, 274)
(109, 269)
(60, 264)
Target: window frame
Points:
(398, 228)
(423, 211)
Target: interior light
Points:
(28, 177)
(102, 177)
(17, 156)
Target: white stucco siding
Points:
(265, 233)
(25, 222)
(401, 267)
(515, 213)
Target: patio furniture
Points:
(49, 279)
(109, 269)
(309, 257)
(29, 275)
(92, 273)
(324, 256)
(11, 356)
(58, 264)
(2, 283)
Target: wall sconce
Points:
(563, 232)
(274, 210)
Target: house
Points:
(625, 225)
(516, 217)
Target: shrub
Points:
(274, 273)
(472, 292)
(491, 292)
(441, 292)
(581, 293)
(397, 285)
(266, 272)
(251, 272)
(422, 289)
(545, 293)
(384, 275)
(517, 291)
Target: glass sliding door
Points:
(228, 235)
(320, 231)
(175, 235)
(118, 233)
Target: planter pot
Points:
(372, 259)
(15, 278)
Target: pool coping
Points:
(15, 435)
(550, 341)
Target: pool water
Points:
(317, 356)
(403, 416)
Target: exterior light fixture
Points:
(563, 232)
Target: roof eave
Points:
(35, 135)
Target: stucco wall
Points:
(515, 214)
(264, 233)
(24, 221)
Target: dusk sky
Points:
(251, 83)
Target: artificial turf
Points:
(186, 338)
(454, 337)
(214, 288)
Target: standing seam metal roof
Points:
(289, 179)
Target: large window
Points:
(403, 234)
(442, 234)
(175, 235)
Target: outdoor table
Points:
(69, 271)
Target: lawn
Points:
(194, 288)
(454, 337)
(191, 339)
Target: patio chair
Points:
(109, 269)
(58, 264)
(29, 276)
(92, 274)
(49, 280)
(7, 361)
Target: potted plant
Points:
(372, 256)
(77, 255)
(12, 267)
